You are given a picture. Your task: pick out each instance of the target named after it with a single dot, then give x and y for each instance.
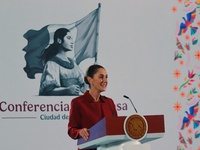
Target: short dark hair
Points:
(91, 71)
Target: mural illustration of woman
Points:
(61, 74)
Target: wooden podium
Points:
(109, 133)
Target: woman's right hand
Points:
(84, 133)
(73, 89)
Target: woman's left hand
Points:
(84, 133)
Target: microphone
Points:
(131, 102)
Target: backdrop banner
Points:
(149, 49)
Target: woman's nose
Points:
(72, 40)
(105, 79)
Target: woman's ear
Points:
(59, 40)
(89, 80)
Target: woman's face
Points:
(68, 42)
(100, 80)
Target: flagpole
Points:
(97, 32)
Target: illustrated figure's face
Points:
(68, 43)
(99, 80)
